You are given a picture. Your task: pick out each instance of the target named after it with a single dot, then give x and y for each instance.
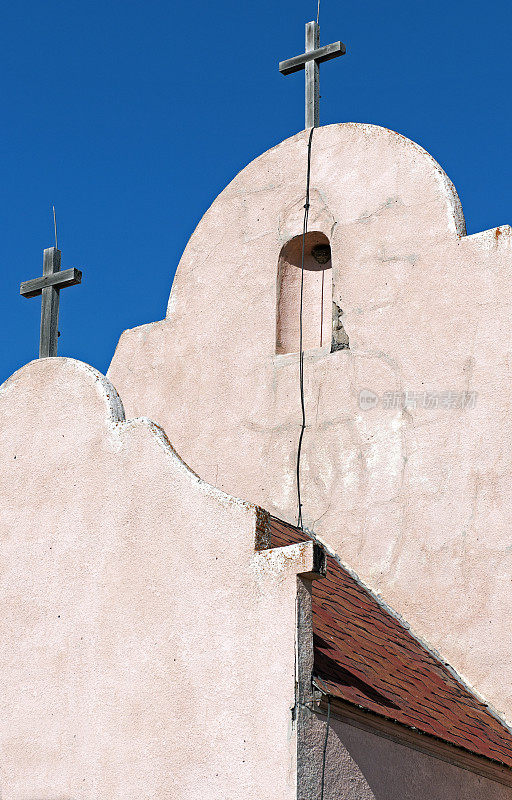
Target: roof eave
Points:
(417, 740)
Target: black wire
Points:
(325, 746)
(301, 349)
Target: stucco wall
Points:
(146, 650)
(416, 500)
(363, 766)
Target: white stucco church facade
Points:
(167, 631)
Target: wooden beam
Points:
(312, 77)
(61, 279)
(49, 306)
(320, 55)
(310, 62)
(423, 742)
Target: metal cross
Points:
(49, 286)
(309, 61)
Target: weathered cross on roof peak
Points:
(49, 286)
(309, 61)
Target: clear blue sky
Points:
(132, 116)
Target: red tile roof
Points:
(366, 656)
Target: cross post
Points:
(49, 286)
(309, 62)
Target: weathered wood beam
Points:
(312, 77)
(49, 306)
(68, 277)
(319, 55)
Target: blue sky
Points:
(132, 116)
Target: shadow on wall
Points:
(364, 766)
(321, 317)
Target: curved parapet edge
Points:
(104, 387)
(445, 185)
(108, 394)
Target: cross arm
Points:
(319, 55)
(61, 279)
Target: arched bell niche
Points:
(321, 318)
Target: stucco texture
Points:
(417, 500)
(146, 650)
